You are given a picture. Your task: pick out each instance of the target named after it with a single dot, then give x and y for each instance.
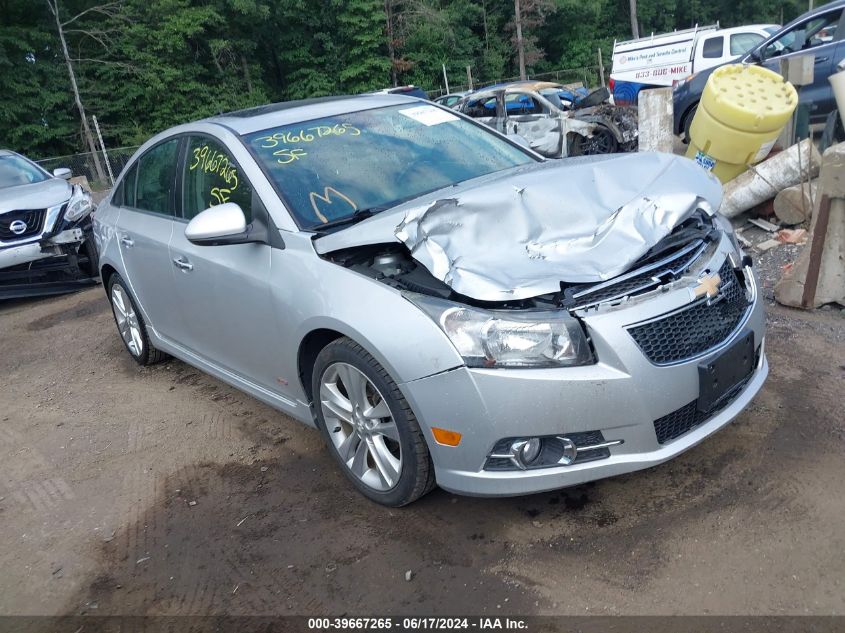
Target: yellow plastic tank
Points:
(741, 114)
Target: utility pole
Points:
(445, 78)
(635, 23)
(601, 70)
(89, 138)
(520, 44)
(105, 153)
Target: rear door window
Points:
(480, 108)
(212, 177)
(156, 182)
(124, 196)
(713, 47)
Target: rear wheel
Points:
(601, 142)
(130, 324)
(369, 427)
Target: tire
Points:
(92, 268)
(688, 123)
(138, 345)
(602, 142)
(393, 427)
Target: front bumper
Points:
(46, 266)
(622, 396)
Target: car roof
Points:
(291, 112)
(746, 28)
(836, 4)
(525, 84)
(7, 152)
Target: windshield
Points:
(16, 170)
(327, 169)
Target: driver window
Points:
(807, 35)
(213, 177)
(517, 104)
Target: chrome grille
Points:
(32, 218)
(643, 279)
(697, 328)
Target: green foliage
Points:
(145, 65)
(36, 113)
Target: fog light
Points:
(526, 451)
(530, 450)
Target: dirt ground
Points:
(126, 490)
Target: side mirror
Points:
(222, 224)
(62, 172)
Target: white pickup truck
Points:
(662, 60)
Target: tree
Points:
(360, 35)
(635, 25)
(53, 5)
(528, 15)
(520, 43)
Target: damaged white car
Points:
(46, 239)
(555, 120)
(444, 305)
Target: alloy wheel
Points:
(361, 426)
(600, 143)
(127, 320)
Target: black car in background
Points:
(820, 32)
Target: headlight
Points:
(78, 206)
(509, 338)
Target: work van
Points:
(663, 60)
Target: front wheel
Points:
(601, 142)
(130, 324)
(369, 427)
(688, 124)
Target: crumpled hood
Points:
(38, 195)
(520, 235)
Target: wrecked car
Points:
(444, 305)
(46, 238)
(554, 119)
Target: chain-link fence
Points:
(84, 165)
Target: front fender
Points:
(105, 235)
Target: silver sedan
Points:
(443, 304)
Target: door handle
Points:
(127, 241)
(821, 60)
(184, 264)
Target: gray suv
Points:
(444, 305)
(46, 237)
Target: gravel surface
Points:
(129, 490)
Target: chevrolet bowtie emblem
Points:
(708, 286)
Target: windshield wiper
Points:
(357, 216)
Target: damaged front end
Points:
(48, 251)
(508, 269)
